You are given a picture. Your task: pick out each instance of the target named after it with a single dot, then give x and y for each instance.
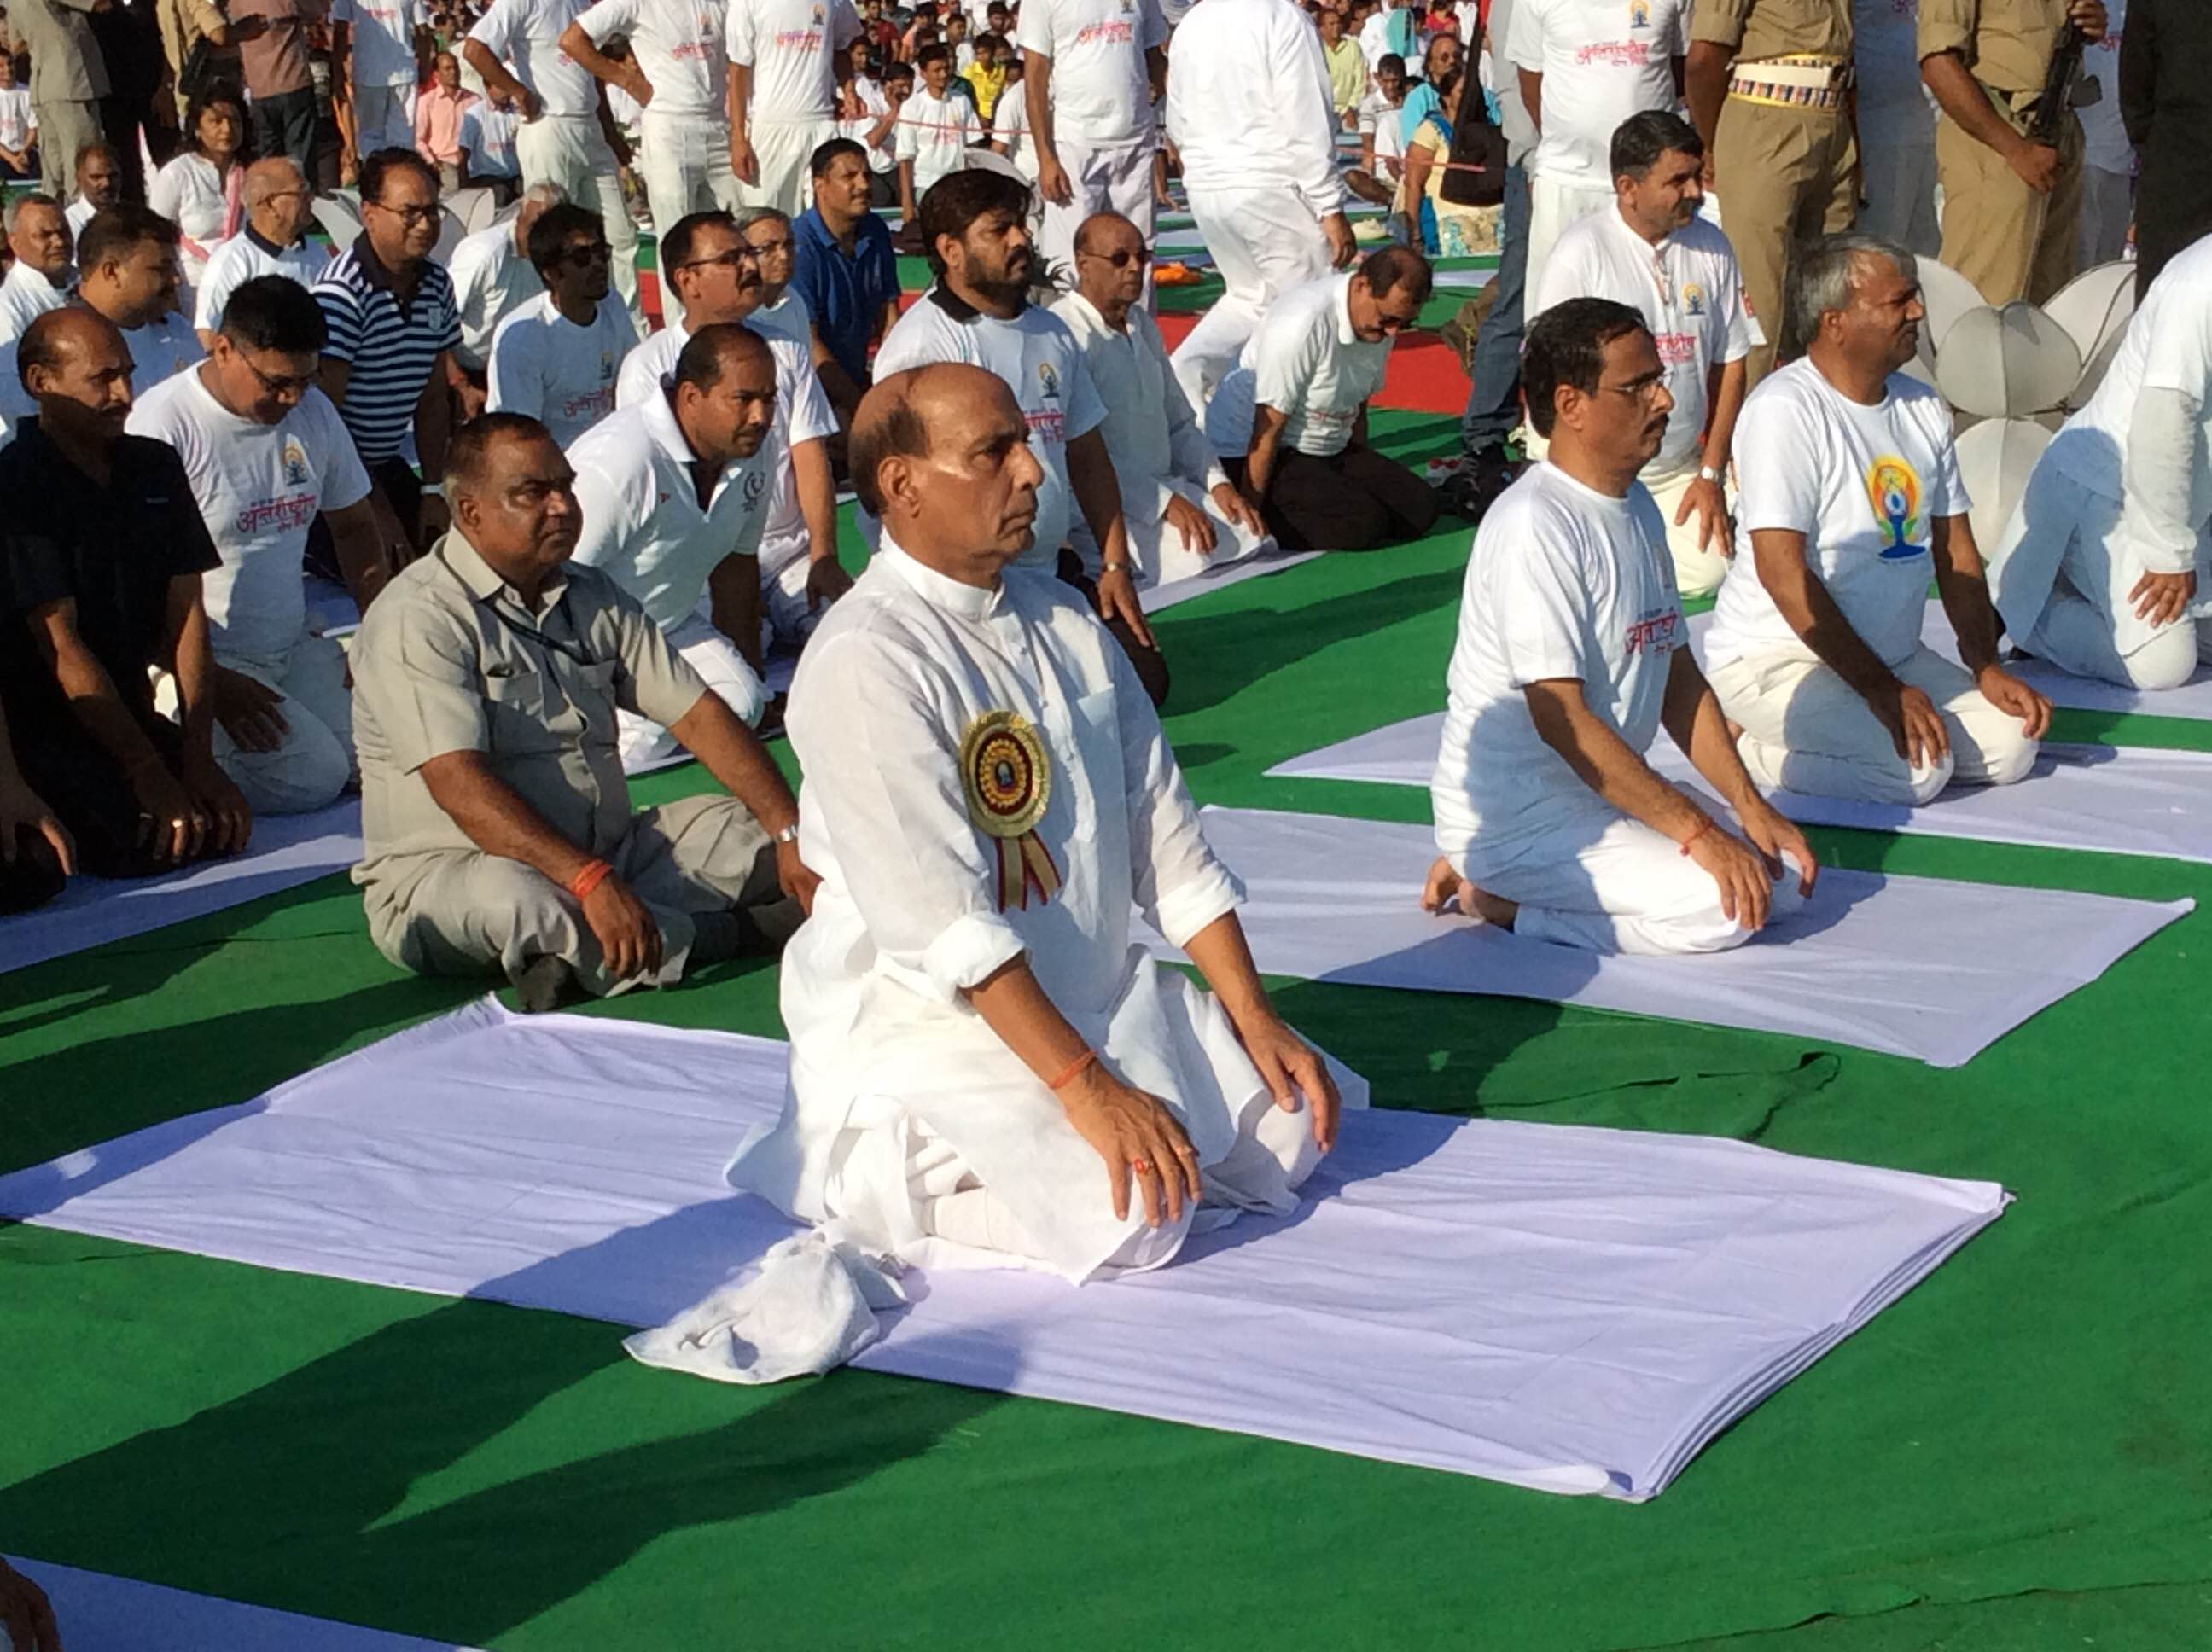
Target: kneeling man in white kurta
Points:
(986, 1069)
(1573, 653)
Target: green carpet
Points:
(2016, 1456)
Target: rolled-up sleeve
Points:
(1716, 22)
(914, 862)
(1946, 26)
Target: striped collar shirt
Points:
(390, 347)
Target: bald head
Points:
(272, 177)
(940, 455)
(75, 365)
(1111, 260)
(64, 337)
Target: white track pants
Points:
(1265, 240)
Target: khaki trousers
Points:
(1783, 176)
(1999, 234)
(468, 913)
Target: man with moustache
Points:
(1572, 654)
(1653, 252)
(990, 800)
(1850, 490)
(128, 273)
(40, 277)
(499, 833)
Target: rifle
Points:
(2060, 92)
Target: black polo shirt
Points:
(113, 547)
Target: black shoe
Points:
(543, 984)
(1475, 487)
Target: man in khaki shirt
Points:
(2012, 207)
(498, 824)
(1767, 83)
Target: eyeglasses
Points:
(1639, 390)
(408, 214)
(736, 258)
(577, 257)
(1124, 258)
(275, 384)
(764, 249)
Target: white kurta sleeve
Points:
(1177, 883)
(1308, 119)
(2164, 461)
(896, 817)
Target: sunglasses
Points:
(576, 258)
(410, 215)
(1125, 258)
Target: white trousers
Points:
(785, 616)
(1805, 730)
(685, 162)
(2108, 207)
(314, 763)
(1273, 1156)
(1899, 181)
(1698, 571)
(644, 744)
(1100, 180)
(784, 152)
(2088, 624)
(1264, 240)
(1552, 207)
(1626, 888)
(382, 117)
(571, 151)
(1158, 550)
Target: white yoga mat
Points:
(98, 1612)
(286, 850)
(1569, 1309)
(2118, 799)
(1160, 598)
(1908, 966)
(2192, 700)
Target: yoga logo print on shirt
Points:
(1693, 298)
(1894, 488)
(294, 461)
(1639, 13)
(1007, 775)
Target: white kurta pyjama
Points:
(1159, 452)
(1568, 583)
(1865, 486)
(903, 1105)
(1691, 296)
(1250, 112)
(2109, 502)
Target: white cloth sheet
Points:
(286, 850)
(98, 1612)
(1582, 1311)
(1908, 966)
(1159, 598)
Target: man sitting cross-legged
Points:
(984, 1069)
(1179, 508)
(498, 824)
(1572, 654)
(1851, 484)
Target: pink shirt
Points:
(438, 122)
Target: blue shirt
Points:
(845, 295)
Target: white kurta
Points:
(1158, 448)
(899, 1093)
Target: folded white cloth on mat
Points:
(809, 1307)
(1169, 593)
(99, 1612)
(2118, 799)
(1569, 1309)
(1910, 966)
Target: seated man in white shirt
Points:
(280, 211)
(493, 277)
(782, 311)
(935, 127)
(40, 278)
(716, 271)
(556, 357)
(1180, 510)
(1851, 486)
(975, 229)
(990, 801)
(1295, 410)
(489, 129)
(675, 492)
(265, 451)
(1654, 254)
(128, 272)
(1572, 654)
(2104, 568)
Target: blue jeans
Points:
(1493, 402)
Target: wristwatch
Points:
(1105, 568)
(1706, 473)
(789, 834)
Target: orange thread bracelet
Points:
(594, 873)
(1703, 826)
(1073, 1070)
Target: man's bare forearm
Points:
(1967, 106)
(1260, 459)
(192, 657)
(1225, 958)
(734, 755)
(1016, 1007)
(1098, 494)
(1037, 94)
(1603, 762)
(1964, 585)
(1695, 722)
(818, 497)
(1805, 602)
(733, 596)
(1726, 402)
(497, 820)
(493, 72)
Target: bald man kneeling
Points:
(985, 1069)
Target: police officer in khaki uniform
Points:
(2012, 207)
(1768, 83)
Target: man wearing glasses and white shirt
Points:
(561, 141)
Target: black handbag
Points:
(1475, 174)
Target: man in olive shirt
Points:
(2012, 205)
(1779, 149)
(498, 824)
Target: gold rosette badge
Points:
(1008, 777)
